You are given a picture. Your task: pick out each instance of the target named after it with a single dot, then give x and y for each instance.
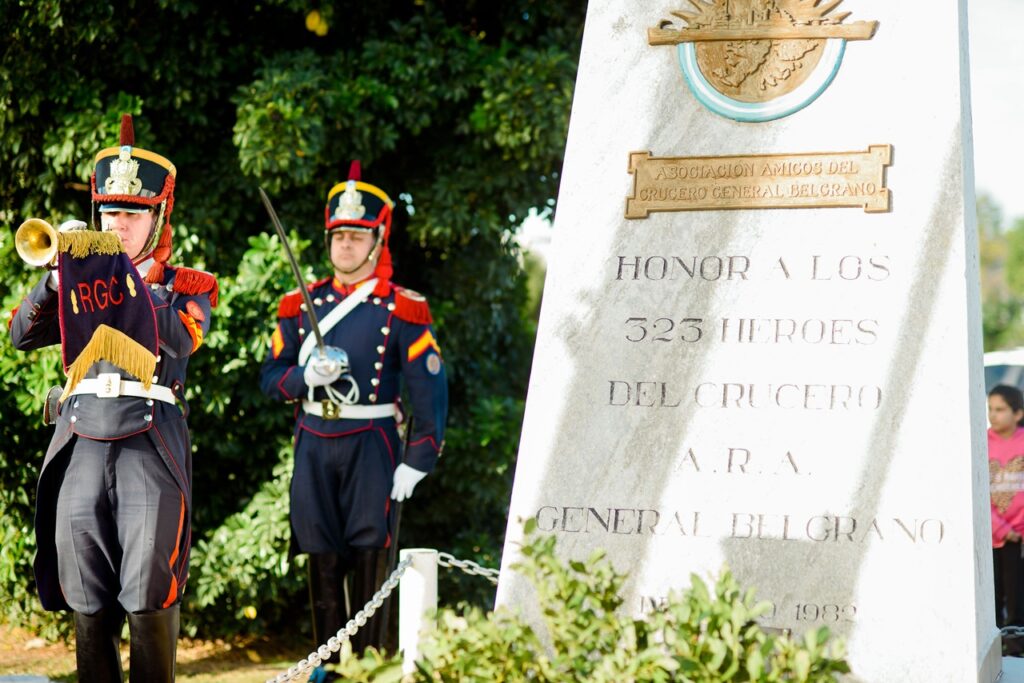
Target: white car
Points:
(1004, 367)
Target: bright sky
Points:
(997, 87)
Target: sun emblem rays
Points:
(708, 20)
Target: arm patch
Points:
(277, 342)
(195, 330)
(420, 346)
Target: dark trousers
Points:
(119, 519)
(341, 488)
(341, 514)
(1007, 565)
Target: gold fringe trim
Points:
(114, 347)
(82, 243)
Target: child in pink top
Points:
(1006, 478)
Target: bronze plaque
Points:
(760, 181)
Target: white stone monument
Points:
(760, 342)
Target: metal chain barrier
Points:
(468, 566)
(1012, 632)
(1013, 641)
(317, 657)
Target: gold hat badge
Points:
(350, 204)
(124, 172)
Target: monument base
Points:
(1013, 670)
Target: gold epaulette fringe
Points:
(82, 243)
(114, 347)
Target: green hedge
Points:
(706, 634)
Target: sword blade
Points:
(314, 323)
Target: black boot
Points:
(154, 645)
(97, 637)
(369, 572)
(327, 597)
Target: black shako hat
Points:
(129, 178)
(355, 205)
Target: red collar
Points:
(344, 289)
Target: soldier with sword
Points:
(342, 349)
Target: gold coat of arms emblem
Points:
(758, 60)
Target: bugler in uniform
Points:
(114, 493)
(349, 461)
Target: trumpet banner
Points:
(105, 310)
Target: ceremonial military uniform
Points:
(347, 447)
(114, 495)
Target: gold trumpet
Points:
(36, 242)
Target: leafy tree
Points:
(458, 109)
(1002, 276)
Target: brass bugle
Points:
(36, 242)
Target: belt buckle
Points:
(331, 410)
(109, 385)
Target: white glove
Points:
(73, 224)
(406, 479)
(320, 371)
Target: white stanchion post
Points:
(417, 596)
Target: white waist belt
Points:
(112, 385)
(351, 412)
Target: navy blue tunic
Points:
(344, 467)
(83, 423)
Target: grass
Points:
(243, 661)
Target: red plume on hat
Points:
(127, 130)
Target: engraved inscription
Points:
(738, 461)
(836, 332)
(741, 526)
(708, 268)
(744, 395)
(819, 179)
(825, 613)
(740, 268)
(742, 330)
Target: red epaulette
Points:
(412, 307)
(190, 281)
(291, 302)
